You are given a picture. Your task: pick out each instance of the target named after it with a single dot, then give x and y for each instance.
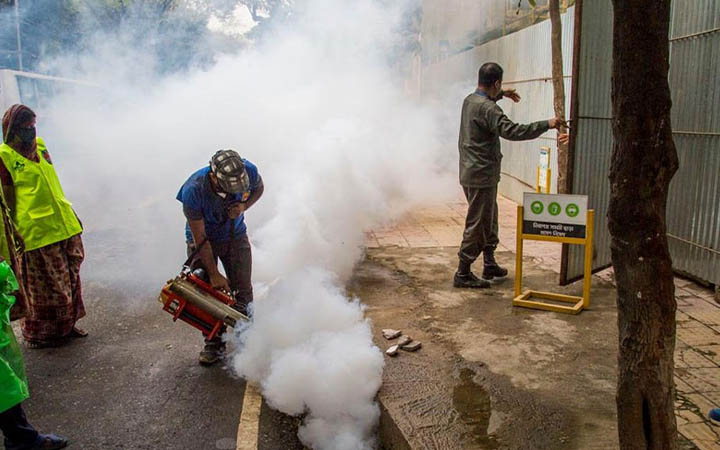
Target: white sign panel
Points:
(544, 170)
(544, 158)
(557, 215)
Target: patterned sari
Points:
(53, 292)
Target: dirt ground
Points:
(490, 375)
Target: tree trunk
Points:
(558, 77)
(643, 162)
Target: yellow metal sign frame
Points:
(530, 298)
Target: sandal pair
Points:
(78, 333)
(46, 344)
(75, 333)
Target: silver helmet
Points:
(229, 169)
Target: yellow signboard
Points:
(554, 218)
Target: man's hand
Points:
(219, 282)
(511, 94)
(235, 209)
(557, 122)
(563, 138)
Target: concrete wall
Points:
(526, 57)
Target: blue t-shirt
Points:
(198, 195)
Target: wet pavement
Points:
(491, 375)
(472, 402)
(488, 375)
(135, 383)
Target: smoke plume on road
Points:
(320, 110)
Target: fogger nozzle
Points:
(191, 300)
(206, 302)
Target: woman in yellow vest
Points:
(50, 267)
(17, 432)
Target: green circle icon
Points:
(537, 207)
(572, 210)
(554, 208)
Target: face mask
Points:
(26, 135)
(500, 92)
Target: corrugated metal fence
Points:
(694, 203)
(594, 140)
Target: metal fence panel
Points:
(594, 140)
(693, 213)
(694, 200)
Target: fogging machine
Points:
(193, 300)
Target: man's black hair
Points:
(489, 73)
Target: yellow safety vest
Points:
(42, 213)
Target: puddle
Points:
(473, 404)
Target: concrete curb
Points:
(390, 434)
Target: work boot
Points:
(492, 269)
(469, 280)
(241, 308)
(213, 352)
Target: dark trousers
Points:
(481, 223)
(18, 432)
(236, 258)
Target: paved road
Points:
(135, 383)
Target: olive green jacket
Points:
(482, 125)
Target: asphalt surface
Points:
(135, 382)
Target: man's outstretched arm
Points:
(506, 128)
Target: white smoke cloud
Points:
(340, 147)
(312, 351)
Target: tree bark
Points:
(644, 161)
(558, 78)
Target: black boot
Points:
(492, 269)
(213, 352)
(464, 278)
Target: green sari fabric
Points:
(13, 382)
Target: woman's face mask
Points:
(26, 135)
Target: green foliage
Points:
(174, 31)
(532, 3)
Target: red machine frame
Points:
(191, 314)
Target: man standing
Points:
(482, 125)
(214, 200)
